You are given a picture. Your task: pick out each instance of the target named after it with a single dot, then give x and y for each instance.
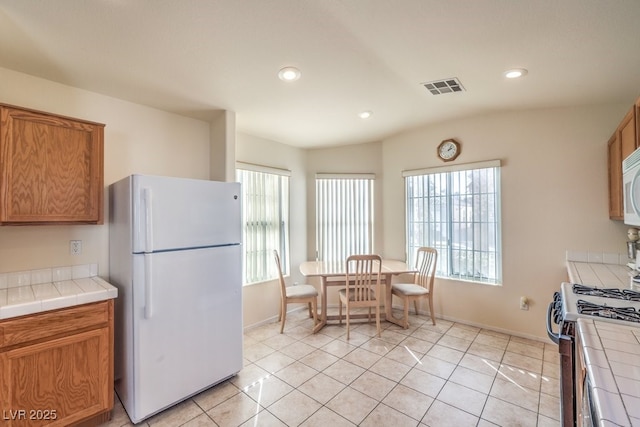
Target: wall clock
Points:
(448, 150)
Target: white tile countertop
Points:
(599, 269)
(34, 291)
(612, 354)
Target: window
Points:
(344, 216)
(265, 218)
(456, 210)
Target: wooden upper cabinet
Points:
(622, 143)
(627, 133)
(51, 168)
(637, 109)
(614, 147)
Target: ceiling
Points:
(197, 57)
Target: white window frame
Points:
(265, 226)
(468, 239)
(344, 216)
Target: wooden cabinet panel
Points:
(627, 133)
(621, 144)
(58, 382)
(61, 381)
(51, 168)
(615, 178)
(637, 107)
(28, 329)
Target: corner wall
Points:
(554, 197)
(261, 300)
(137, 139)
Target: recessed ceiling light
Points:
(515, 73)
(365, 114)
(289, 74)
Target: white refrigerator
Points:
(175, 256)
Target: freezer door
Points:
(187, 324)
(173, 213)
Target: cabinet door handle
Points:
(148, 287)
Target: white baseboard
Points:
(274, 319)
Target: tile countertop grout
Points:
(612, 351)
(77, 285)
(613, 365)
(600, 274)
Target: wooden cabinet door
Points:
(65, 380)
(51, 168)
(627, 133)
(615, 177)
(637, 108)
(622, 143)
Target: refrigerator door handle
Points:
(148, 286)
(148, 220)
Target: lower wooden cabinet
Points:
(56, 368)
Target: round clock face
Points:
(448, 150)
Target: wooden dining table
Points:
(333, 274)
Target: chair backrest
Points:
(363, 274)
(283, 285)
(426, 265)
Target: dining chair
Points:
(362, 286)
(306, 294)
(422, 286)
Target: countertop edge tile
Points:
(55, 295)
(22, 309)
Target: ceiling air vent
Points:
(438, 87)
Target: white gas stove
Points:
(607, 304)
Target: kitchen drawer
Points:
(50, 324)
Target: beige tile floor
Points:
(448, 375)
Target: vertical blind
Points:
(457, 211)
(265, 217)
(344, 216)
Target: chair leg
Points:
(339, 311)
(347, 322)
(309, 304)
(406, 312)
(415, 305)
(433, 316)
(283, 310)
(378, 319)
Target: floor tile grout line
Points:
(393, 345)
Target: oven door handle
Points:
(554, 337)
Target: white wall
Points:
(554, 198)
(137, 139)
(261, 300)
(554, 187)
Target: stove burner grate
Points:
(624, 294)
(629, 314)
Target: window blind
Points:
(265, 218)
(344, 216)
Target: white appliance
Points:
(175, 256)
(631, 188)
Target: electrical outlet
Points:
(524, 303)
(75, 247)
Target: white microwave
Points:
(631, 188)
